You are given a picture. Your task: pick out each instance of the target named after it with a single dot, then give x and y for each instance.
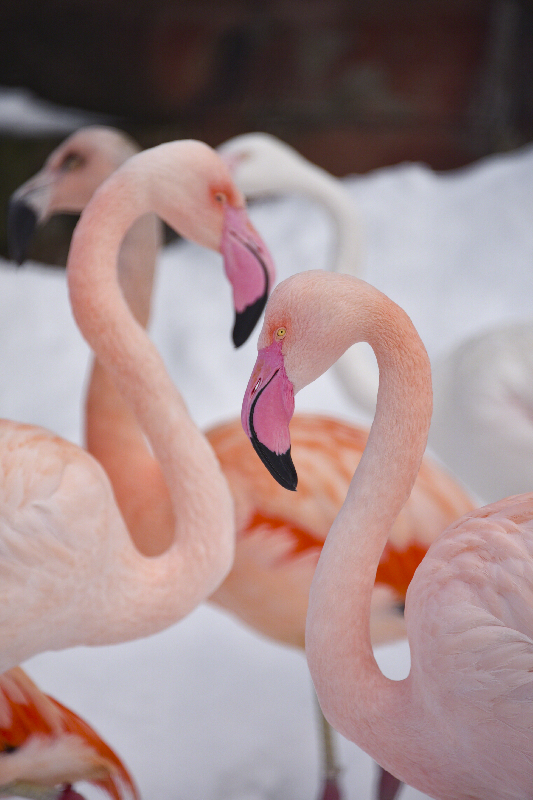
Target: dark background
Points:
(353, 85)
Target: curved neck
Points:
(356, 697)
(112, 434)
(333, 195)
(201, 503)
(357, 373)
(136, 265)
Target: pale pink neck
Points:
(356, 697)
(200, 498)
(112, 433)
(103, 316)
(136, 265)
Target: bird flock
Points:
(347, 536)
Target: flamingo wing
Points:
(46, 745)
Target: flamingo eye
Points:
(280, 334)
(220, 197)
(256, 387)
(71, 162)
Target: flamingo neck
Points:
(329, 192)
(355, 696)
(202, 547)
(357, 373)
(136, 265)
(112, 434)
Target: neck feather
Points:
(355, 696)
(202, 506)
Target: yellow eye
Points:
(280, 333)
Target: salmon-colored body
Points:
(280, 533)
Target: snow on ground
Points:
(208, 710)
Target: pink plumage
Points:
(460, 726)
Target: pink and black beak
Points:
(249, 268)
(22, 221)
(267, 409)
(28, 208)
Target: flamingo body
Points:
(67, 554)
(64, 550)
(483, 412)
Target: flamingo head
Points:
(194, 193)
(308, 325)
(66, 183)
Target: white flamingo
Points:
(482, 426)
(262, 166)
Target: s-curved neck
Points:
(203, 542)
(356, 372)
(136, 265)
(329, 192)
(356, 697)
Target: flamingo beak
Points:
(249, 268)
(28, 208)
(267, 409)
(21, 224)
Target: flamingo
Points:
(278, 537)
(460, 726)
(66, 554)
(262, 165)
(45, 747)
(482, 422)
(483, 408)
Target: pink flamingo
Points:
(483, 404)
(62, 531)
(460, 725)
(45, 747)
(279, 537)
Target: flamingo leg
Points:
(388, 786)
(330, 766)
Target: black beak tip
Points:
(280, 466)
(245, 321)
(21, 224)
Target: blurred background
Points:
(353, 84)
